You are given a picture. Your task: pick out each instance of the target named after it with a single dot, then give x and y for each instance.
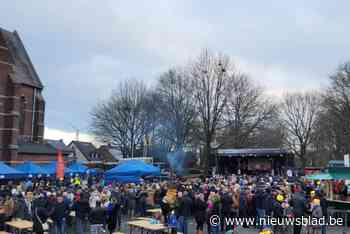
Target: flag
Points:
(60, 166)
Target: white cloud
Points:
(278, 79)
(67, 137)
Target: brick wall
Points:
(36, 158)
(22, 109)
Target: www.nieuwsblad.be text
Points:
(216, 220)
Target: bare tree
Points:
(324, 140)
(246, 112)
(337, 109)
(124, 119)
(175, 107)
(299, 114)
(211, 76)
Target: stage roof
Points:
(253, 152)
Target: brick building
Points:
(21, 103)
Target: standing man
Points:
(97, 219)
(60, 214)
(184, 211)
(82, 209)
(298, 203)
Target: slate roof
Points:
(105, 154)
(24, 71)
(59, 145)
(33, 148)
(86, 148)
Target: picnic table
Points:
(143, 218)
(344, 213)
(20, 225)
(147, 226)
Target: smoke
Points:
(176, 161)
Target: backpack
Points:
(172, 222)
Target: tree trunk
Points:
(206, 162)
(302, 156)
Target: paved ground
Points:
(330, 230)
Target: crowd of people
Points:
(98, 205)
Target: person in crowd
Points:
(316, 214)
(40, 218)
(324, 206)
(20, 208)
(298, 202)
(184, 211)
(199, 208)
(227, 206)
(114, 213)
(278, 213)
(165, 208)
(9, 207)
(60, 214)
(213, 210)
(131, 198)
(142, 203)
(259, 206)
(82, 210)
(98, 218)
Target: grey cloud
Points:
(81, 49)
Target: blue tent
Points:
(31, 169)
(7, 172)
(94, 171)
(133, 168)
(51, 168)
(78, 168)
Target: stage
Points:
(254, 161)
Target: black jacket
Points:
(259, 199)
(199, 209)
(277, 209)
(185, 207)
(82, 209)
(98, 215)
(39, 213)
(299, 204)
(227, 202)
(61, 210)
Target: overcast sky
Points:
(82, 49)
